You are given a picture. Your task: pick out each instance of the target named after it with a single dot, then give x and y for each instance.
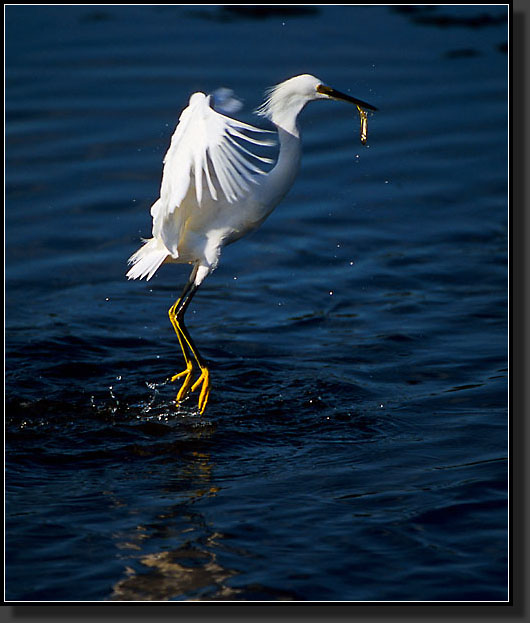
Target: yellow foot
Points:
(185, 388)
(205, 391)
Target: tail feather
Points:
(147, 260)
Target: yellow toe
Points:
(204, 379)
(185, 387)
(187, 371)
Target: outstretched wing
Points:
(207, 154)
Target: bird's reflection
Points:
(177, 574)
(189, 571)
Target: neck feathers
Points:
(282, 108)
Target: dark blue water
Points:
(355, 443)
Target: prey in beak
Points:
(361, 107)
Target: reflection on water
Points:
(191, 571)
(178, 574)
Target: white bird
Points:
(213, 193)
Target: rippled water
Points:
(355, 443)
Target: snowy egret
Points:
(213, 193)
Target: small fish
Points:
(364, 125)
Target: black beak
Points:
(321, 88)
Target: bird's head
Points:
(287, 99)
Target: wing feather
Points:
(205, 147)
(250, 139)
(248, 152)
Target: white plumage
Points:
(207, 169)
